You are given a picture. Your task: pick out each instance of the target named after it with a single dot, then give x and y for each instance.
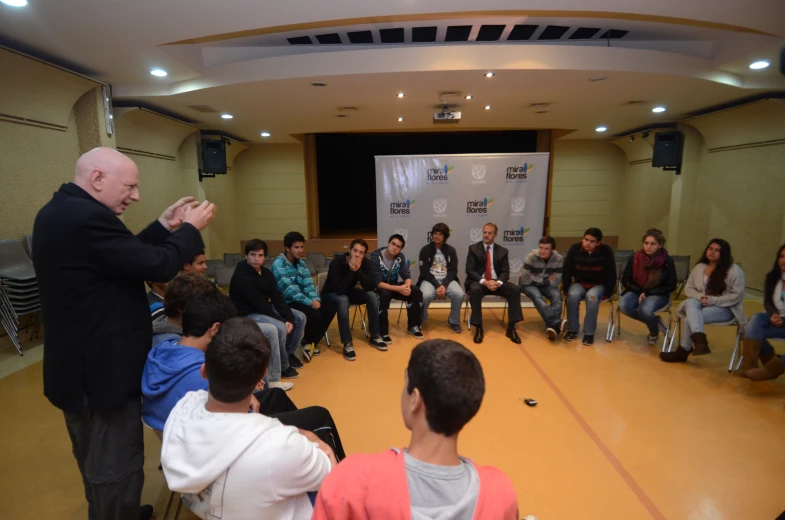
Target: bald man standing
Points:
(91, 271)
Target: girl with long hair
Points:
(648, 279)
(714, 290)
(766, 325)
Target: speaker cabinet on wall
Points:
(213, 156)
(667, 150)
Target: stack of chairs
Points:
(18, 291)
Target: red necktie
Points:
(488, 272)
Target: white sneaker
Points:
(281, 384)
(661, 325)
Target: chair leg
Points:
(354, 316)
(668, 331)
(326, 338)
(676, 332)
(177, 513)
(467, 313)
(736, 351)
(504, 312)
(400, 311)
(169, 505)
(362, 319)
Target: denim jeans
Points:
(540, 296)
(760, 328)
(454, 293)
(643, 312)
(356, 296)
(593, 298)
(271, 333)
(287, 343)
(698, 316)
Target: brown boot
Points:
(700, 346)
(771, 370)
(750, 351)
(768, 356)
(677, 356)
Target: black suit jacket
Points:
(91, 271)
(475, 263)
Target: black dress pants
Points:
(507, 290)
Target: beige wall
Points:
(587, 175)
(35, 158)
(270, 182)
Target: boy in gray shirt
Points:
(540, 278)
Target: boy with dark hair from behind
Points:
(176, 294)
(218, 456)
(443, 389)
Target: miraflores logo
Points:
(439, 175)
(403, 232)
(478, 173)
(517, 204)
(519, 173)
(478, 207)
(402, 208)
(516, 264)
(439, 205)
(515, 236)
(475, 234)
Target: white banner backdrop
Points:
(415, 192)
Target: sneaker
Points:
(570, 336)
(588, 339)
(348, 352)
(652, 339)
(280, 384)
(145, 512)
(661, 324)
(551, 332)
(316, 350)
(455, 327)
(563, 326)
(307, 352)
(415, 331)
(378, 344)
(290, 373)
(294, 362)
(387, 339)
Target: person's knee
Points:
(575, 294)
(475, 289)
(342, 301)
(416, 294)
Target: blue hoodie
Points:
(171, 371)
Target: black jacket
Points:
(667, 283)
(257, 293)
(91, 271)
(426, 261)
(475, 263)
(596, 268)
(340, 278)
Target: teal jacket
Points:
(294, 282)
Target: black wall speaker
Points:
(213, 156)
(668, 147)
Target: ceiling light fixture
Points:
(658, 110)
(226, 116)
(158, 72)
(759, 65)
(400, 119)
(489, 74)
(469, 96)
(601, 128)
(318, 84)
(400, 94)
(15, 3)
(595, 79)
(265, 134)
(487, 107)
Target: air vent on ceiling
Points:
(614, 34)
(489, 33)
(348, 109)
(391, 35)
(361, 37)
(329, 39)
(449, 93)
(204, 109)
(458, 33)
(583, 33)
(300, 40)
(636, 102)
(521, 32)
(553, 32)
(423, 34)
(539, 105)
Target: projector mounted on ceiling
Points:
(446, 116)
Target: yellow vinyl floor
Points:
(617, 433)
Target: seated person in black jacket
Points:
(439, 275)
(255, 293)
(345, 272)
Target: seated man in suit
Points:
(488, 272)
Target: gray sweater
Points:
(536, 271)
(732, 298)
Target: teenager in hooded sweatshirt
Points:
(230, 464)
(443, 389)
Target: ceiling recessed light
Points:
(400, 94)
(265, 134)
(487, 107)
(227, 116)
(318, 84)
(158, 72)
(658, 110)
(600, 128)
(15, 3)
(594, 79)
(759, 65)
(469, 96)
(489, 74)
(400, 119)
